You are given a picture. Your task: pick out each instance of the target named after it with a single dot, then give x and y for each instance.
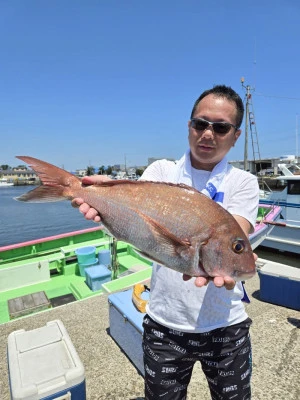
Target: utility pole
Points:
(297, 138)
(246, 125)
(250, 122)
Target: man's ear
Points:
(236, 136)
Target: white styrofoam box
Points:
(43, 364)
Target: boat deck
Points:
(63, 280)
(110, 375)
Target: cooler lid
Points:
(43, 361)
(26, 341)
(122, 301)
(280, 270)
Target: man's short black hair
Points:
(228, 93)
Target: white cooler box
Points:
(43, 364)
(126, 326)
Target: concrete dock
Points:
(111, 376)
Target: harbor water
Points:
(21, 222)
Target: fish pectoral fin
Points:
(145, 255)
(196, 243)
(202, 238)
(163, 235)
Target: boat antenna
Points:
(254, 63)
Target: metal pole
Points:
(246, 129)
(114, 260)
(296, 138)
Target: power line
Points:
(277, 97)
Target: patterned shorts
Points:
(169, 357)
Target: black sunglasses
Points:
(220, 128)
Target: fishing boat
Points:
(286, 233)
(4, 182)
(267, 216)
(45, 273)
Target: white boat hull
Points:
(284, 239)
(6, 184)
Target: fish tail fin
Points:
(58, 184)
(43, 194)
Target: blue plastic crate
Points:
(280, 284)
(96, 276)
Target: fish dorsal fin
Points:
(114, 182)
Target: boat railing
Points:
(265, 210)
(64, 244)
(289, 169)
(264, 188)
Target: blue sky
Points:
(92, 82)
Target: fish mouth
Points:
(241, 276)
(202, 271)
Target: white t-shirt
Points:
(179, 304)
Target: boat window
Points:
(293, 187)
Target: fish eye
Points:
(238, 246)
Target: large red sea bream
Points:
(172, 224)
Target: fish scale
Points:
(173, 224)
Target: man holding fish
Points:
(195, 312)
(202, 318)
